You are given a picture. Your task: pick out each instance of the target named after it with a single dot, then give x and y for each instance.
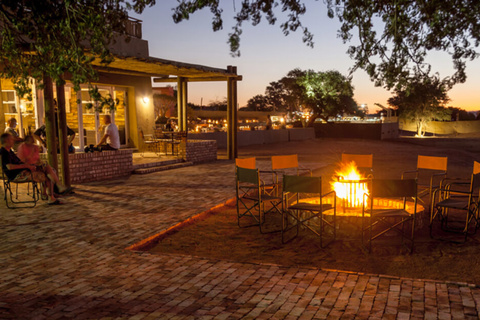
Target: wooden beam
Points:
(197, 79)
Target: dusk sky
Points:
(267, 55)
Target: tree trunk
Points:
(50, 125)
(2, 114)
(62, 134)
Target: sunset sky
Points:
(267, 55)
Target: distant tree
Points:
(285, 94)
(461, 114)
(327, 94)
(218, 105)
(422, 100)
(393, 36)
(162, 103)
(258, 103)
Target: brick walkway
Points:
(69, 262)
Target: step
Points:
(156, 163)
(163, 167)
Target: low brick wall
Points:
(198, 151)
(96, 166)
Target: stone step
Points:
(156, 163)
(163, 167)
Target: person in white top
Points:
(111, 138)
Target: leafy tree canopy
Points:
(324, 94)
(394, 36)
(422, 100)
(327, 94)
(52, 37)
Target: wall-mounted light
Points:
(146, 100)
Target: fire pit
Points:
(350, 186)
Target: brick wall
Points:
(96, 166)
(198, 151)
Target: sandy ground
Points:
(442, 258)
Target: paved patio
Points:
(70, 262)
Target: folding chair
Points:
(282, 165)
(364, 162)
(461, 198)
(383, 220)
(248, 163)
(8, 192)
(150, 143)
(429, 174)
(311, 216)
(252, 196)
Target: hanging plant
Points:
(101, 102)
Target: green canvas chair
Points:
(313, 215)
(252, 197)
(380, 220)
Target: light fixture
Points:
(145, 100)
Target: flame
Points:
(346, 186)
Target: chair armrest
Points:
(330, 192)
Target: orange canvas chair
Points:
(283, 163)
(430, 173)
(364, 162)
(247, 163)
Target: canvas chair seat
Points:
(310, 206)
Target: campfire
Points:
(350, 185)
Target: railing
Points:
(133, 27)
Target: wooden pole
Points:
(230, 145)
(184, 105)
(234, 115)
(62, 134)
(50, 125)
(179, 103)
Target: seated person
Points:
(40, 135)
(111, 138)
(12, 124)
(17, 170)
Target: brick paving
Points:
(70, 261)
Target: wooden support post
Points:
(62, 134)
(184, 105)
(179, 102)
(232, 118)
(50, 125)
(234, 115)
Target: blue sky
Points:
(267, 55)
